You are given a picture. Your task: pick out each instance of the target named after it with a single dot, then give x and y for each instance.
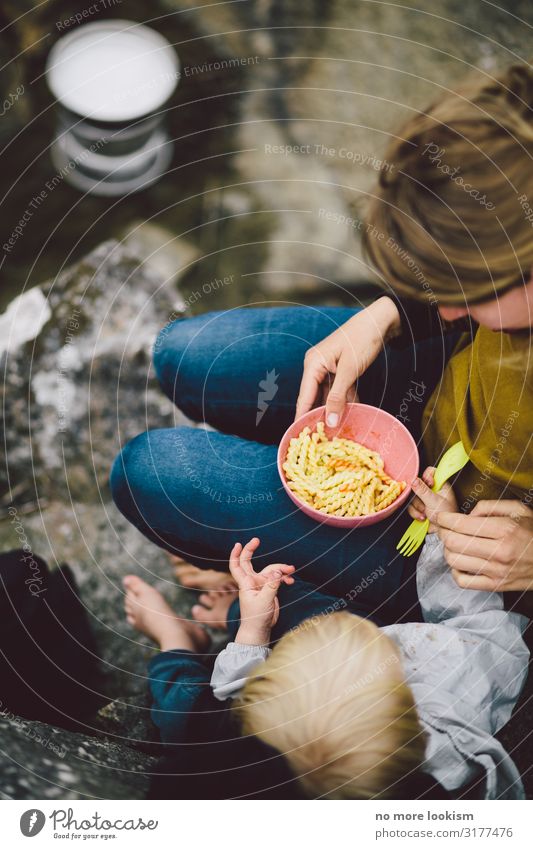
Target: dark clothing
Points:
(48, 657)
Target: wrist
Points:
(252, 635)
(388, 316)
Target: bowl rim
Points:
(348, 520)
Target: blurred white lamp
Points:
(111, 80)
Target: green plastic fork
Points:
(452, 461)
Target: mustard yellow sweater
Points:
(485, 399)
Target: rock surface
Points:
(81, 384)
(42, 762)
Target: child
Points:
(351, 710)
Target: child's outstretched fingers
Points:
(429, 476)
(238, 572)
(247, 553)
(270, 588)
(285, 571)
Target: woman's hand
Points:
(492, 547)
(428, 504)
(258, 599)
(345, 355)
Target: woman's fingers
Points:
(475, 582)
(344, 380)
(474, 526)
(314, 373)
(493, 550)
(504, 507)
(351, 395)
(468, 564)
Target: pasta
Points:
(339, 477)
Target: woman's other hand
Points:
(492, 547)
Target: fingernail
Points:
(332, 419)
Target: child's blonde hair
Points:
(332, 698)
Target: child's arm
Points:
(179, 683)
(259, 609)
(258, 593)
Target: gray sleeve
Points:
(490, 652)
(440, 597)
(232, 668)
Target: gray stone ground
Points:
(330, 81)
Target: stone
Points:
(71, 393)
(23, 320)
(43, 762)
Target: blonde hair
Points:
(333, 700)
(452, 220)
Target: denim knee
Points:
(169, 346)
(123, 475)
(178, 355)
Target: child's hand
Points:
(257, 593)
(427, 504)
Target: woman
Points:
(450, 227)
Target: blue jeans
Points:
(196, 492)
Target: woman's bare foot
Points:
(193, 578)
(149, 613)
(213, 608)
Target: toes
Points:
(207, 599)
(134, 584)
(186, 573)
(176, 560)
(200, 613)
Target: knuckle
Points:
(506, 552)
(336, 397)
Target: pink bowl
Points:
(373, 428)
